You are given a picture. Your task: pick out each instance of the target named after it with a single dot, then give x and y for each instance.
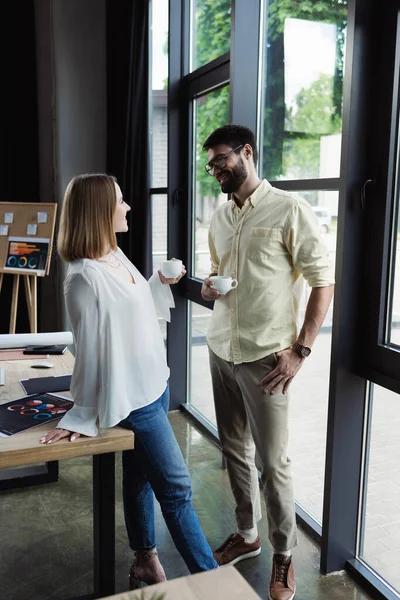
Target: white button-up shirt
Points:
(120, 362)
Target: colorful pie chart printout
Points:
(27, 255)
(30, 411)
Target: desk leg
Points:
(104, 524)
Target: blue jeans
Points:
(156, 465)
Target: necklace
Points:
(111, 260)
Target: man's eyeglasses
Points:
(219, 162)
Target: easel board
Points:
(26, 237)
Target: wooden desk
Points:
(225, 583)
(15, 370)
(25, 449)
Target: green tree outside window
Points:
(212, 30)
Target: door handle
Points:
(177, 195)
(364, 191)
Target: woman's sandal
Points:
(145, 557)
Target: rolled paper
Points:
(21, 340)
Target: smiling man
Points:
(267, 239)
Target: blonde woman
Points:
(120, 372)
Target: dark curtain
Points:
(128, 121)
(19, 128)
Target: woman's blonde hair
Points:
(86, 222)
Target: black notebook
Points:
(52, 349)
(41, 385)
(22, 414)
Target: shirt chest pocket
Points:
(265, 243)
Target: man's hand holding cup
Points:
(216, 286)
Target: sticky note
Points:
(42, 217)
(32, 229)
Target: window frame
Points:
(379, 360)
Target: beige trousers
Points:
(253, 429)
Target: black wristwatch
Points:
(302, 351)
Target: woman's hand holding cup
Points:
(171, 271)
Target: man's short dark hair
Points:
(233, 136)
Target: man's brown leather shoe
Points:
(282, 586)
(235, 548)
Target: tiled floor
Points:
(46, 533)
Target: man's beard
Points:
(235, 177)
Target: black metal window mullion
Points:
(178, 57)
(245, 62)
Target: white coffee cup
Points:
(223, 284)
(171, 268)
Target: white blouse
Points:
(120, 362)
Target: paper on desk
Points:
(20, 340)
(17, 354)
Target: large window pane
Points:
(210, 30)
(310, 387)
(159, 65)
(209, 112)
(200, 388)
(303, 88)
(380, 539)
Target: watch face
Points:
(305, 351)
